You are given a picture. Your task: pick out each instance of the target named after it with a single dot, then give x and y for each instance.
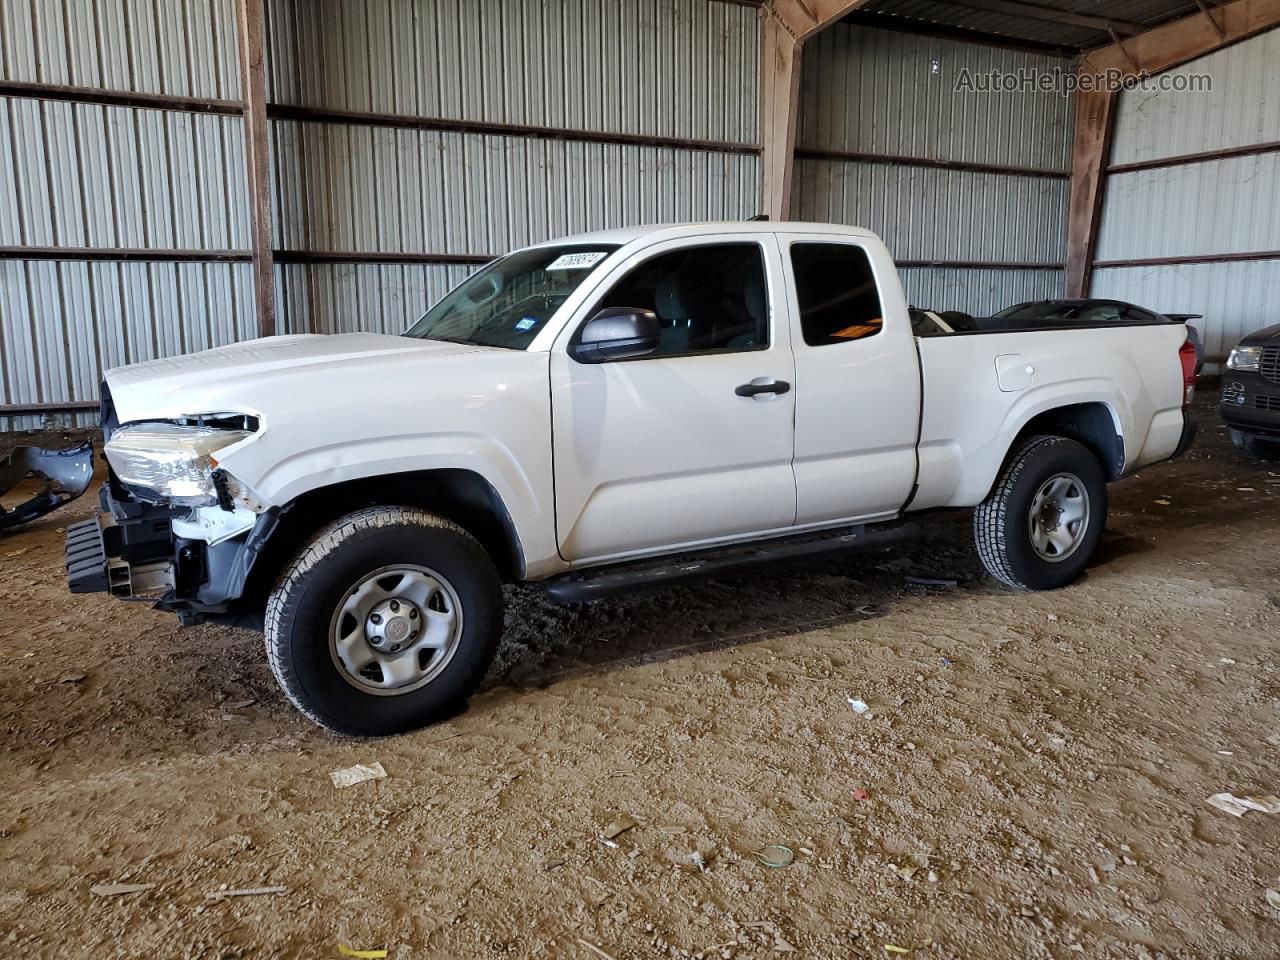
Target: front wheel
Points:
(1040, 525)
(385, 621)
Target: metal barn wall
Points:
(1199, 209)
(681, 70)
(951, 179)
(567, 115)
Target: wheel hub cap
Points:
(395, 630)
(392, 624)
(1059, 517)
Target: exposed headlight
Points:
(172, 460)
(1245, 358)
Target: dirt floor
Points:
(1030, 781)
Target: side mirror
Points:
(617, 333)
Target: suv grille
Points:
(1270, 368)
(1267, 403)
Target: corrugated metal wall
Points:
(81, 175)
(880, 94)
(658, 68)
(1202, 209)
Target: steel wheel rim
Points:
(1059, 517)
(371, 634)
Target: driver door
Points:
(665, 451)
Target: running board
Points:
(588, 585)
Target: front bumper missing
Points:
(66, 475)
(92, 567)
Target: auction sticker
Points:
(575, 261)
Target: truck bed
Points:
(978, 378)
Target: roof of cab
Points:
(669, 231)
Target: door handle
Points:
(762, 385)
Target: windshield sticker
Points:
(526, 323)
(575, 261)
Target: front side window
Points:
(508, 302)
(837, 292)
(708, 299)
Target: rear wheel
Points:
(1042, 522)
(385, 621)
(1255, 448)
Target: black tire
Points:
(1256, 448)
(1002, 522)
(303, 604)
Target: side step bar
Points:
(726, 561)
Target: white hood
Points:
(243, 377)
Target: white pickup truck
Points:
(601, 413)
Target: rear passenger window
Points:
(839, 301)
(708, 299)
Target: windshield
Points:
(509, 301)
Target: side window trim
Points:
(640, 257)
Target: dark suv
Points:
(1251, 394)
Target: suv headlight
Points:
(173, 461)
(1245, 358)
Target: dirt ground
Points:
(1031, 781)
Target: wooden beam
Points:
(804, 18)
(1032, 11)
(779, 113)
(1217, 27)
(1172, 44)
(1095, 122)
(253, 84)
(786, 25)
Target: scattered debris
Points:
(1053, 618)
(1273, 898)
(1163, 502)
(1274, 739)
(119, 889)
(906, 873)
(361, 954)
(894, 948)
(238, 704)
(946, 661)
(867, 611)
(246, 892)
(698, 860)
(618, 827)
(1226, 753)
(1246, 490)
(73, 678)
(350, 776)
(859, 706)
(1226, 661)
(861, 794)
(1239, 806)
(66, 475)
(775, 855)
(930, 582)
(591, 947)
(933, 877)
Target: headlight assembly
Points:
(173, 461)
(1245, 358)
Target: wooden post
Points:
(779, 113)
(787, 25)
(1095, 122)
(253, 84)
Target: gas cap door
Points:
(1014, 372)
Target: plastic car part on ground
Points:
(66, 475)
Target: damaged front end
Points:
(175, 531)
(65, 475)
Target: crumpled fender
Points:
(66, 473)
